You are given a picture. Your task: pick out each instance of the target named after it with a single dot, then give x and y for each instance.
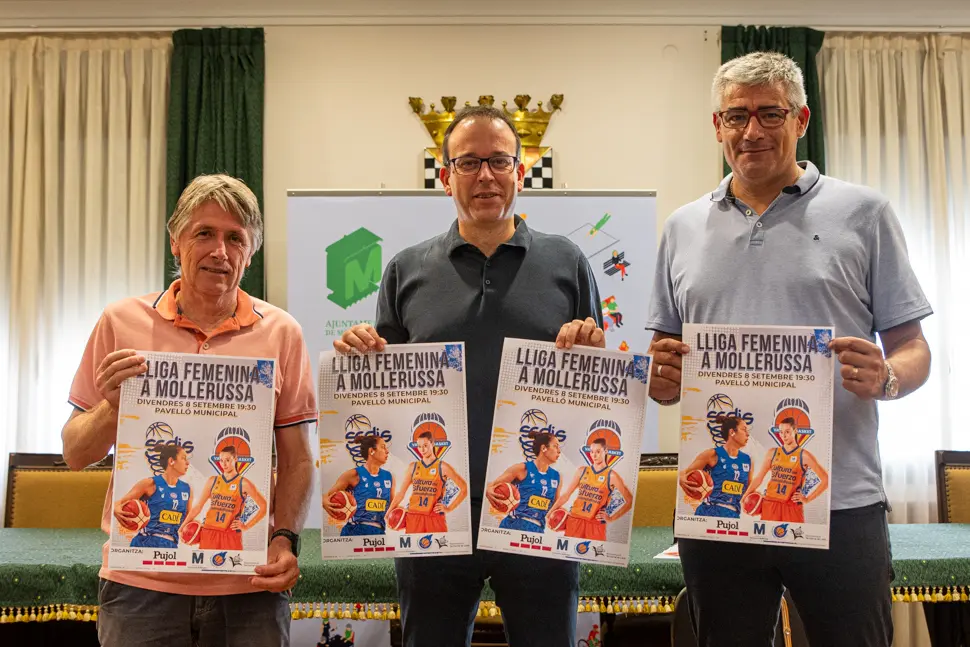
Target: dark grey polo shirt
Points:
(445, 289)
(825, 252)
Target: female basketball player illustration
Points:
(537, 483)
(596, 482)
(222, 527)
(426, 478)
(783, 498)
(727, 471)
(372, 487)
(167, 498)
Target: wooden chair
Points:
(42, 492)
(790, 631)
(953, 486)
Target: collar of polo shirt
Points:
(521, 238)
(245, 315)
(802, 186)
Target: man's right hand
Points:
(115, 369)
(363, 337)
(667, 364)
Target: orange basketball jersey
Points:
(427, 486)
(787, 472)
(225, 502)
(592, 494)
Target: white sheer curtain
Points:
(82, 200)
(897, 118)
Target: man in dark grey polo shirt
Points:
(779, 244)
(487, 278)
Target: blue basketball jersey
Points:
(373, 495)
(167, 507)
(730, 477)
(537, 492)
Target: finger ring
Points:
(660, 368)
(855, 373)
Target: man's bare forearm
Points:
(294, 469)
(89, 435)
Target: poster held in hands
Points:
(193, 465)
(393, 433)
(562, 471)
(756, 435)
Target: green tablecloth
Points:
(40, 567)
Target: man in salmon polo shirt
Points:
(214, 232)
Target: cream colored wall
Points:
(636, 113)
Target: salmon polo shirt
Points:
(154, 323)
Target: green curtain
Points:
(215, 119)
(801, 44)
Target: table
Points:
(46, 572)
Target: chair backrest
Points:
(790, 631)
(656, 490)
(953, 486)
(42, 492)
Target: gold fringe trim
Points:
(83, 613)
(637, 605)
(930, 593)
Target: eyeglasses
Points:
(470, 165)
(738, 118)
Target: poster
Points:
(756, 435)
(394, 452)
(562, 471)
(193, 464)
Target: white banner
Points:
(192, 465)
(756, 435)
(387, 422)
(562, 471)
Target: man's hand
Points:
(115, 368)
(281, 569)
(363, 337)
(581, 333)
(863, 367)
(667, 364)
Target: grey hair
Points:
(229, 193)
(761, 69)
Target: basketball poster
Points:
(755, 461)
(193, 465)
(394, 452)
(562, 471)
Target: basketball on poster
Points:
(193, 465)
(756, 435)
(562, 471)
(393, 438)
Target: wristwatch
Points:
(891, 388)
(292, 536)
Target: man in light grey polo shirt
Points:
(779, 244)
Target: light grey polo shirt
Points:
(824, 252)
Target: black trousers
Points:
(842, 594)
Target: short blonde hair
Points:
(761, 69)
(229, 193)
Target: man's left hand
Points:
(281, 569)
(863, 366)
(581, 333)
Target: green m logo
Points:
(354, 266)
